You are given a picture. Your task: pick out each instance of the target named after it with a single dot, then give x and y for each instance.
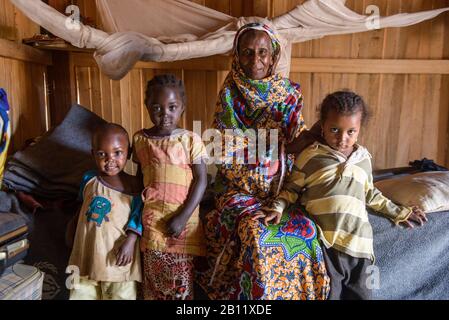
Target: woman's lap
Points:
(256, 262)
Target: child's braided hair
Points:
(166, 80)
(344, 102)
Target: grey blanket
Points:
(53, 167)
(414, 264)
(9, 203)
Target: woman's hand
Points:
(126, 252)
(176, 225)
(268, 215)
(305, 139)
(417, 216)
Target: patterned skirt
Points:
(167, 276)
(247, 260)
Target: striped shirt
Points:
(335, 191)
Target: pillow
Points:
(428, 190)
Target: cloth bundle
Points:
(53, 167)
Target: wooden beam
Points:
(312, 65)
(214, 63)
(373, 66)
(13, 50)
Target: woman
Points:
(249, 258)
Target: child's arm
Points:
(126, 252)
(176, 225)
(398, 214)
(134, 231)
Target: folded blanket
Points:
(9, 203)
(54, 166)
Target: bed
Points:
(413, 263)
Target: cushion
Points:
(428, 190)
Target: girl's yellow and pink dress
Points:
(105, 217)
(166, 164)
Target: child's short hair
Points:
(166, 80)
(109, 126)
(344, 102)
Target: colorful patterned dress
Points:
(166, 164)
(245, 259)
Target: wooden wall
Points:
(409, 111)
(22, 75)
(402, 73)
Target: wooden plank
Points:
(262, 8)
(443, 126)
(73, 80)
(373, 66)
(218, 62)
(237, 8)
(430, 109)
(95, 91)
(25, 101)
(16, 51)
(106, 97)
(83, 59)
(444, 99)
(25, 28)
(116, 102)
(406, 123)
(59, 5)
(315, 65)
(213, 85)
(90, 12)
(390, 107)
(219, 5)
(147, 75)
(196, 108)
(125, 87)
(367, 87)
(136, 101)
(59, 88)
(30, 109)
(83, 87)
(368, 45)
(14, 97)
(38, 74)
(7, 26)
